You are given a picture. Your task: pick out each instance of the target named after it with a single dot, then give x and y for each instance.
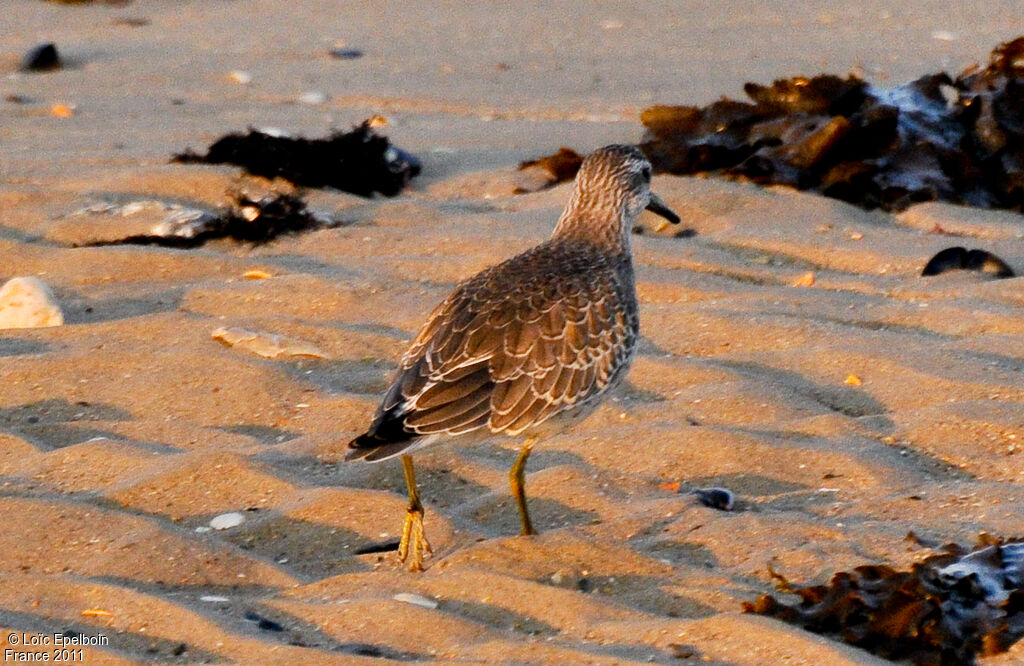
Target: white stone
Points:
(26, 302)
(312, 97)
(227, 520)
(240, 77)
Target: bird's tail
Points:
(371, 447)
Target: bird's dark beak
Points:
(658, 207)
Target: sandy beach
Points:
(844, 412)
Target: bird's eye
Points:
(646, 173)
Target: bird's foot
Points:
(414, 544)
(526, 525)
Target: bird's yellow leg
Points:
(414, 544)
(518, 482)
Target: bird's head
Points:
(612, 187)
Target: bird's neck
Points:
(594, 220)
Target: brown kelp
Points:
(948, 609)
(957, 139)
(937, 138)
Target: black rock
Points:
(41, 58)
(715, 498)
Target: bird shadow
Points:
(21, 347)
(262, 434)
(497, 617)
(342, 377)
(80, 310)
(307, 550)
(53, 423)
(846, 400)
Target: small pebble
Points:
(313, 97)
(26, 302)
(41, 58)
(227, 520)
(240, 77)
(415, 600)
(716, 498)
(805, 280)
(62, 110)
(131, 21)
(683, 651)
(346, 54)
(96, 612)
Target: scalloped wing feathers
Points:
(544, 332)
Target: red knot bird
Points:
(528, 346)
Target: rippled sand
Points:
(843, 415)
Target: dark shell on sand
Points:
(958, 258)
(715, 498)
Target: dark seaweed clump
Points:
(249, 220)
(557, 168)
(948, 609)
(937, 138)
(361, 161)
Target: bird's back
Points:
(541, 335)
